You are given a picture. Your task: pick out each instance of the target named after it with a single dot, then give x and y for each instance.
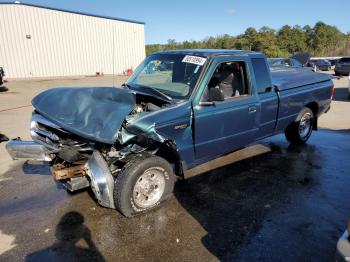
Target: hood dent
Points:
(93, 113)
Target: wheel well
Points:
(314, 108)
(167, 150)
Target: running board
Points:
(225, 160)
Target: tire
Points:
(300, 130)
(144, 182)
(337, 74)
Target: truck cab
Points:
(228, 106)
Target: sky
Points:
(195, 20)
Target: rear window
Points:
(345, 60)
(262, 75)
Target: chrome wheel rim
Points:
(149, 188)
(305, 125)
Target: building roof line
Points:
(73, 12)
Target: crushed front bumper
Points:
(30, 150)
(101, 180)
(99, 177)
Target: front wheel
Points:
(300, 130)
(144, 182)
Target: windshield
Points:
(174, 75)
(322, 62)
(274, 61)
(296, 63)
(345, 60)
(279, 62)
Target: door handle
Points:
(251, 109)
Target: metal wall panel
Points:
(65, 44)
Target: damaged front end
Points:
(30, 150)
(88, 135)
(52, 144)
(75, 161)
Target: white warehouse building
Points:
(38, 41)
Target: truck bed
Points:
(299, 88)
(292, 78)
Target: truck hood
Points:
(302, 57)
(93, 113)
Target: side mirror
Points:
(215, 94)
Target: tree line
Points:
(320, 40)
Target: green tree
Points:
(326, 38)
(320, 40)
(250, 35)
(171, 44)
(292, 39)
(266, 40)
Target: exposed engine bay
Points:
(73, 157)
(145, 107)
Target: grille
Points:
(43, 132)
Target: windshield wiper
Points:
(160, 93)
(126, 85)
(155, 90)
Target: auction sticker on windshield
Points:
(197, 60)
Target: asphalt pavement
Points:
(289, 204)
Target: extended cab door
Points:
(223, 126)
(267, 96)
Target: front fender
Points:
(171, 124)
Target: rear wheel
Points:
(300, 130)
(144, 182)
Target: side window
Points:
(231, 79)
(288, 62)
(296, 63)
(261, 73)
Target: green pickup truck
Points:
(177, 111)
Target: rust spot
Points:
(68, 172)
